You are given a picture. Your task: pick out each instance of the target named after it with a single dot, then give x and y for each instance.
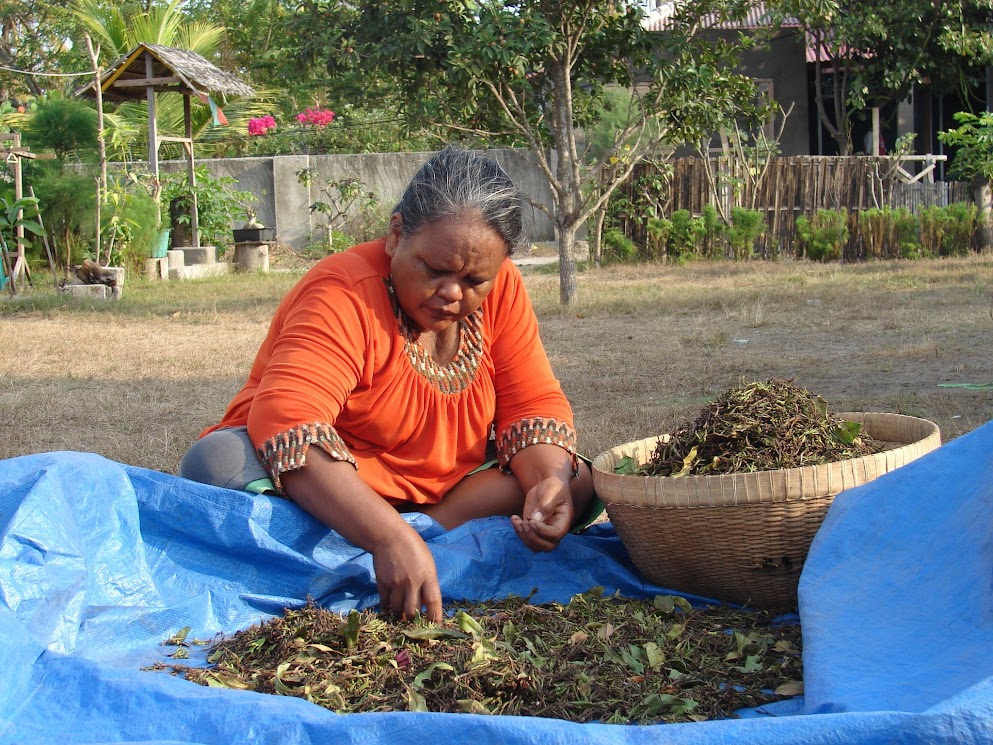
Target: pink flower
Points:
(261, 125)
(316, 117)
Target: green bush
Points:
(948, 231)
(218, 204)
(658, 230)
(714, 231)
(686, 235)
(907, 228)
(618, 247)
(129, 223)
(66, 125)
(747, 226)
(67, 199)
(823, 235)
(890, 233)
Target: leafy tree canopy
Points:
(534, 73)
(878, 50)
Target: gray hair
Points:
(455, 182)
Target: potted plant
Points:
(252, 231)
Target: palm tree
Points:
(116, 28)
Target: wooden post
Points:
(101, 147)
(190, 172)
(153, 137)
(875, 131)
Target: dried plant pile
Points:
(759, 426)
(594, 660)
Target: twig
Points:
(6, 267)
(44, 239)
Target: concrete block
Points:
(93, 292)
(176, 257)
(194, 255)
(118, 272)
(157, 269)
(251, 257)
(196, 271)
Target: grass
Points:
(643, 347)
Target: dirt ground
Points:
(642, 348)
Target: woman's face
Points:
(442, 273)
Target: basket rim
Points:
(778, 485)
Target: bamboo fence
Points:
(791, 187)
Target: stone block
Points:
(196, 271)
(93, 292)
(251, 257)
(196, 255)
(118, 272)
(176, 258)
(157, 269)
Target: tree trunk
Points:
(596, 239)
(567, 264)
(983, 193)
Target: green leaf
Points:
(352, 626)
(415, 701)
(848, 432)
(626, 466)
(471, 706)
(178, 638)
(434, 632)
(753, 664)
(655, 655)
(425, 675)
(469, 624)
(630, 657)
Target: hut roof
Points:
(172, 70)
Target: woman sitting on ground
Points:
(397, 359)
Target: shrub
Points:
(658, 230)
(618, 247)
(686, 235)
(889, 233)
(960, 229)
(129, 222)
(714, 231)
(218, 204)
(67, 199)
(747, 226)
(906, 228)
(823, 235)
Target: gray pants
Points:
(225, 457)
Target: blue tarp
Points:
(100, 562)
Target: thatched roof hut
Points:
(165, 70)
(151, 68)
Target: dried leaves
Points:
(595, 659)
(760, 426)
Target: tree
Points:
(533, 72)
(878, 50)
(973, 162)
(34, 36)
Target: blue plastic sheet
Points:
(100, 562)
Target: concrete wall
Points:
(285, 202)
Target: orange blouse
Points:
(340, 369)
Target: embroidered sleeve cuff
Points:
(287, 451)
(536, 431)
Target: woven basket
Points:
(742, 538)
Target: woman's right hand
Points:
(331, 491)
(406, 577)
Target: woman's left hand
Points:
(547, 514)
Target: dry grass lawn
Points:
(644, 346)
